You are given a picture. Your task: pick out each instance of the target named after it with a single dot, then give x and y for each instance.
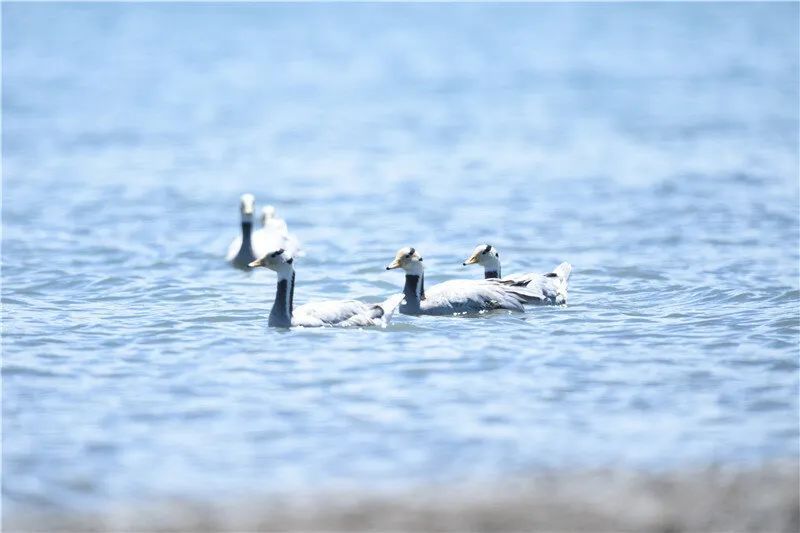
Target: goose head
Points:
(277, 260)
(485, 255)
(267, 213)
(247, 206)
(408, 259)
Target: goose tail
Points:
(388, 307)
(563, 271)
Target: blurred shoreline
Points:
(716, 498)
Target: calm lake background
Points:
(654, 147)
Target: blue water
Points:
(654, 147)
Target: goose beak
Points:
(256, 263)
(393, 264)
(471, 260)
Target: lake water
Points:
(654, 147)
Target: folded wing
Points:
(472, 296)
(346, 313)
(552, 287)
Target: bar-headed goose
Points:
(344, 313)
(270, 221)
(551, 286)
(240, 252)
(456, 296)
(274, 234)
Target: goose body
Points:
(274, 235)
(345, 313)
(456, 296)
(342, 313)
(551, 287)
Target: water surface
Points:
(652, 146)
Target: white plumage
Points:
(457, 296)
(274, 235)
(551, 287)
(346, 313)
(343, 313)
(251, 244)
(473, 296)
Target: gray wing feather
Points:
(472, 296)
(552, 286)
(328, 313)
(347, 313)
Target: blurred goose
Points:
(240, 252)
(273, 234)
(457, 296)
(269, 221)
(552, 287)
(345, 313)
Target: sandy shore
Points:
(719, 499)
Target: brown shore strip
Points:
(713, 499)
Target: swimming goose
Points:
(270, 221)
(273, 234)
(344, 313)
(457, 296)
(240, 251)
(551, 286)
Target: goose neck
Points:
(246, 248)
(283, 306)
(247, 229)
(414, 292)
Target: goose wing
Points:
(472, 296)
(278, 225)
(326, 313)
(345, 313)
(233, 248)
(551, 286)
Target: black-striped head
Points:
(485, 255)
(277, 260)
(408, 259)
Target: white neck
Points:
(285, 271)
(414, 268)
(491, 264)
